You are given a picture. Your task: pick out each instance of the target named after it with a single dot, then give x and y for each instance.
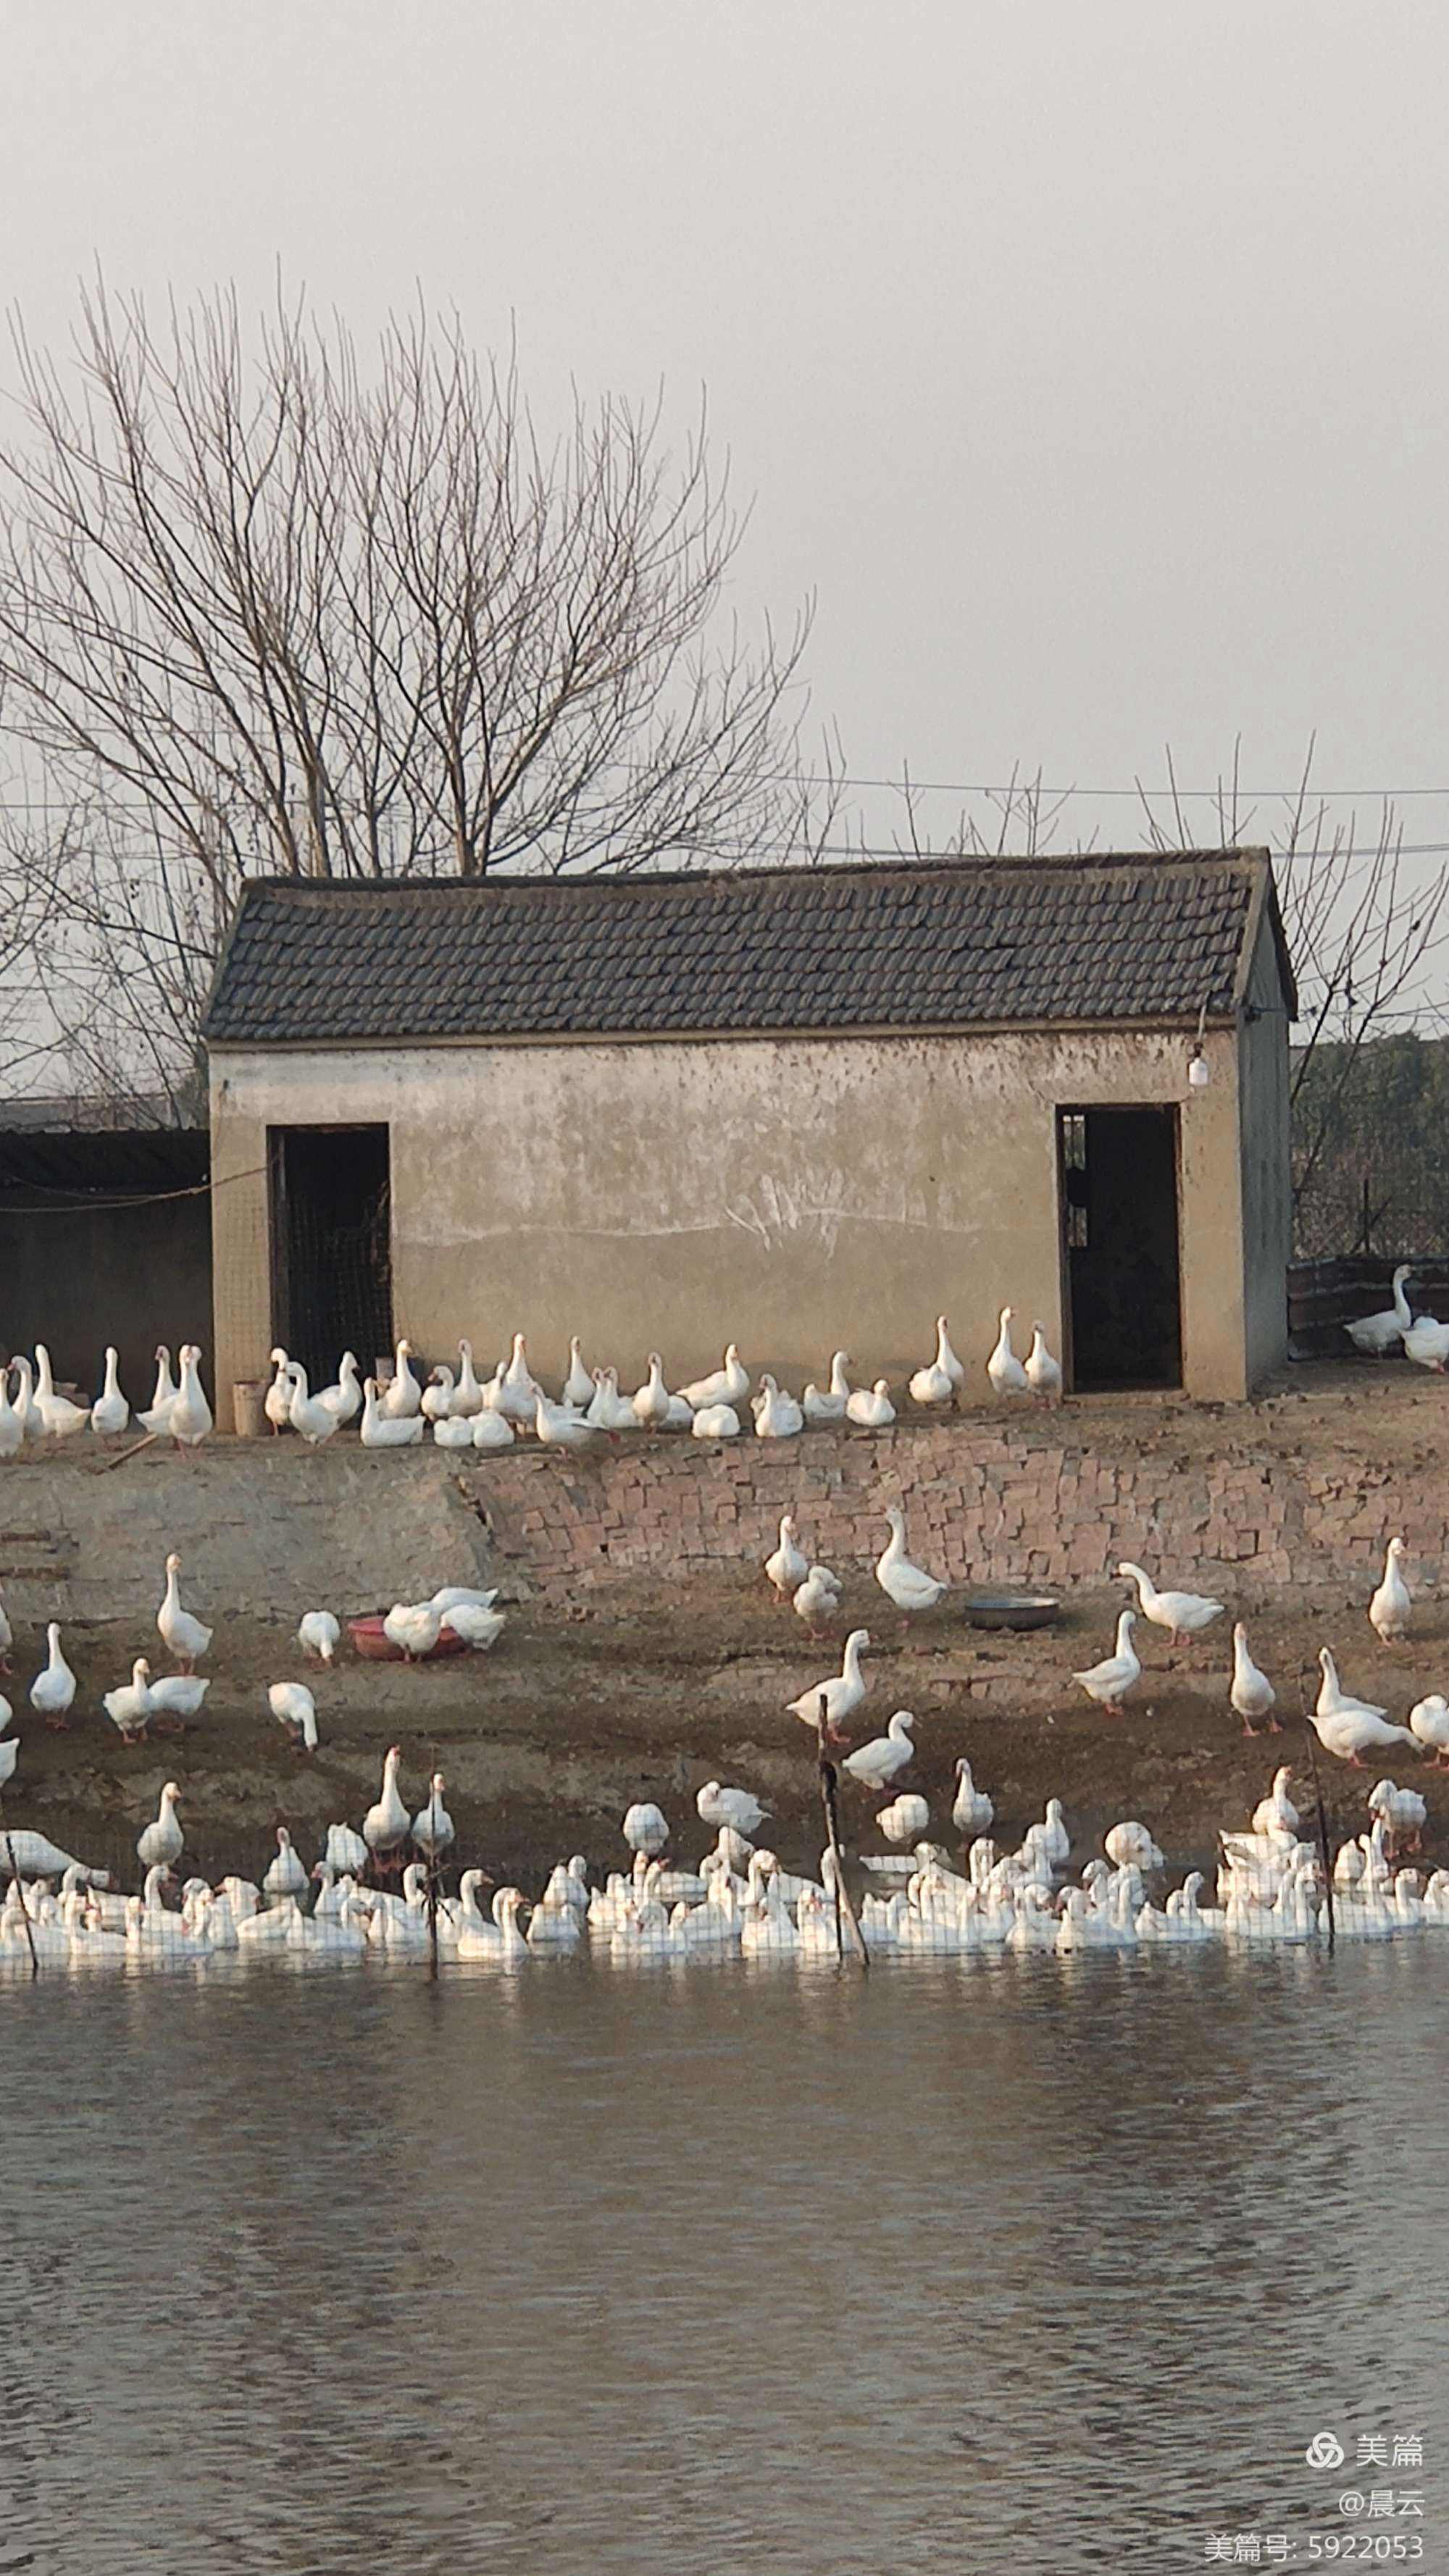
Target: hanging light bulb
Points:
(1199, 1072)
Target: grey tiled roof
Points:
(951, 944)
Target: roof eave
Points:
(1159, 1024)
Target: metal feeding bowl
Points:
(1000, 1606)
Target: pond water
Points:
(1044, 2265)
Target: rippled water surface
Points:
(1037, 2265)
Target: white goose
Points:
(1389, 1609)
(830, 1406)
(183, 1636)
(12, 1423)
(925, 1387)
(344, 1397)
(285, 1876)
(716, 1805)
(1348, 1727)
(1183, 1614)
(870, 1407)
(1004, 1369)
(433, 1827)
(777, 1415)
(319, 1634)
(160, 1844)
(907, 1585)
(414, 1627)
(787, 1568)
(402, 1397)
(190, 1420)
(491, 1429)
(578, 1386)
(558, 1427)
(905, 1820)
(518, 1391)
(452, 1433)
(1402, 1813)
(652, 1399)
(437, 1396)
(877, 1762)
(277, 1402)
(478, 1626)
(1376, 1335)
(1109, 1682)
(110, 1413)
(384, 1430)
(307, 1414)
(130, 1708)
(645, 1828)
(25, 1404)
(53, 1688)
(61, 1418)
(818, 1599)
(842, 1692)
(716, 1422)
(467, 1394)
(293, 1707)
(157, 1417)
(1427, 1343)
(728, 1385)
(609, 1410)
(386, 1825)
(344, 1851)
(1276, 1814)
(972, 1811)
(178, 1694)
(496, 1944)
(1043, 1373)
(1429, 1721)
(1250, 1693)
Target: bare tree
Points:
(1361, 931)
(265, 608)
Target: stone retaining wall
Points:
(1042, 1502)
(1289, 1490)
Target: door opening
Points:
(1118, 1170)
(331, 1245)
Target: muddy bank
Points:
(651, 1689)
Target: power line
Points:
(1022, 786)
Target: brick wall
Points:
(1038, 1502)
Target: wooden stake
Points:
(24, 1908)
(844, 1910)
(1322, 1834)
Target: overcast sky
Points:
(1086, 358)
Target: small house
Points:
(797, 1108)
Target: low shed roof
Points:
(938, 945)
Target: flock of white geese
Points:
(460, 1410)
(376, 1891)
(377, 1894)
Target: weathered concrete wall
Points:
(1266, 1160)
(79, 1277)
(264, 1532)
(791, 1194)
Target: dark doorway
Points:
(331, 1245)
(1119, 1245)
